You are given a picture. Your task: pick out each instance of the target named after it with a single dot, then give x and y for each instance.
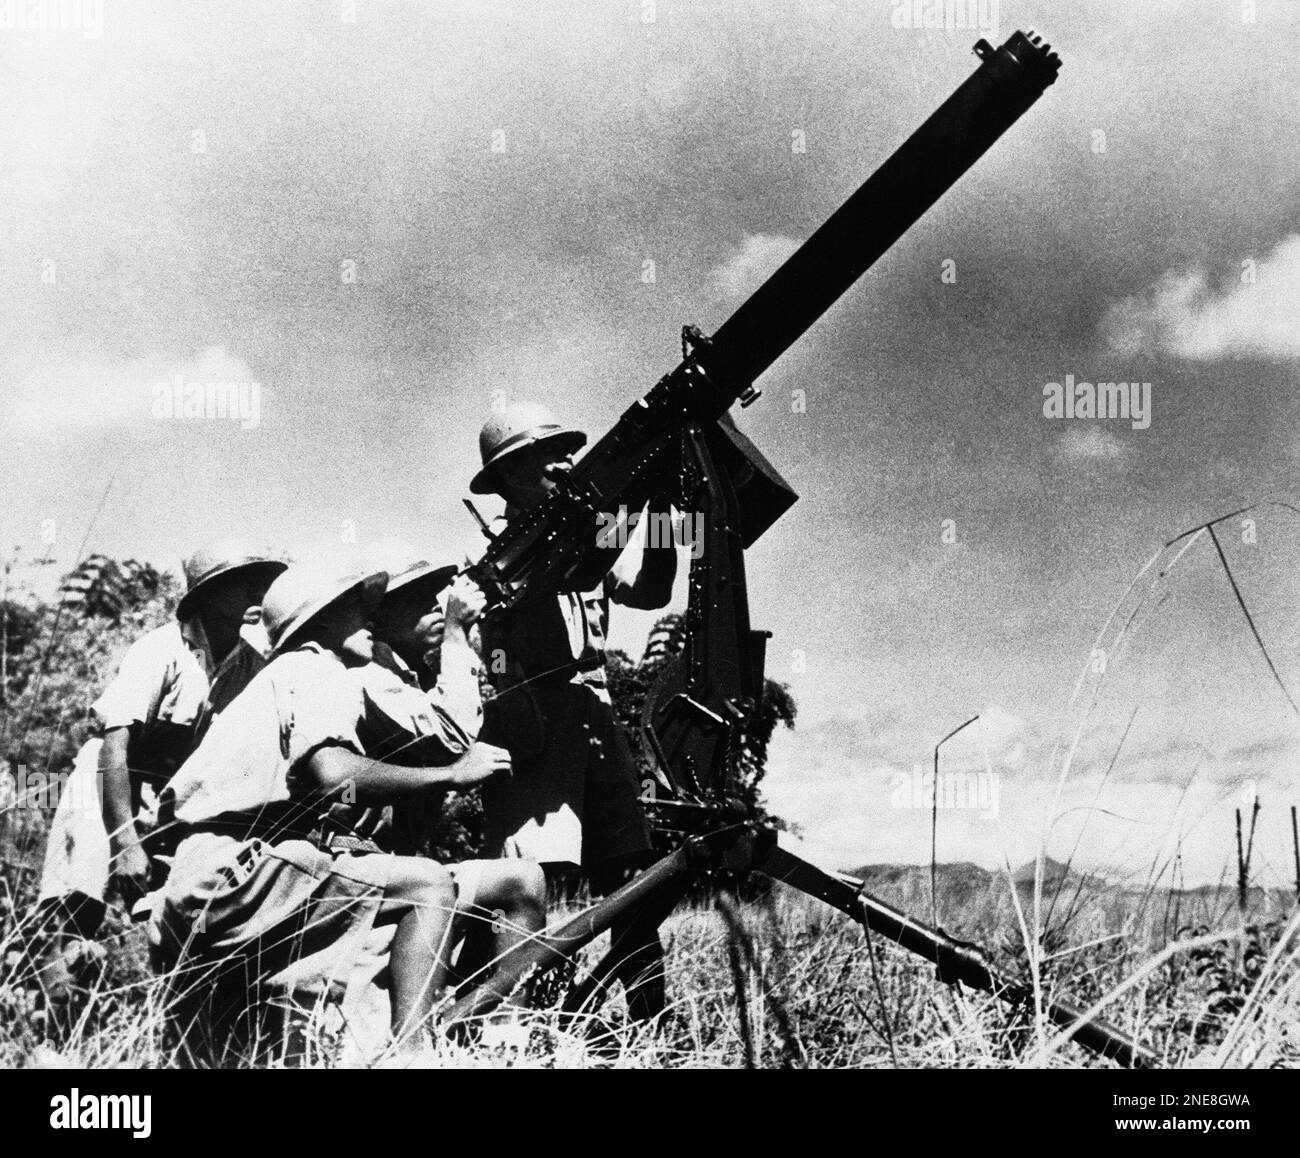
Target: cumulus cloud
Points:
(1003, 736)
(849, 815)
(1083, 444)
(52, 393)
(1257, 313)
(758, 256)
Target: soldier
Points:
(573, 798)
(411, 627)
(150, 717)
(277, 880)
(429, 651)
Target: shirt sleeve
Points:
(621, 579)
(143, 679)
(318, 704)
(408, 726)
(459, 691)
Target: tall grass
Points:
(781, 982)
(784, 981)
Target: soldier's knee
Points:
(439, 893)
(532, 884)
(522, 886)
(425, 884)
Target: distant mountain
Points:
(960, 873)
(964, 873)
(1053, 871)
(961, 889)
(976, 900)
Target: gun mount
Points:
(678, 445)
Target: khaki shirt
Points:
(254, 753)
(169, 686)
(254, 756)
(407, 725)
(161, 688)
(163, 676)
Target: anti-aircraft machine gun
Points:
(678, 445)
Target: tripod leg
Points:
(957, 960)
(547, 949)
(789, 869)
(588, 995)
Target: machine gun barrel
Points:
(930, 162)
(552, 547)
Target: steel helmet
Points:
(300, 594)
(522, 425)
(218, 559)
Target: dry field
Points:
(785, 982)
(778, 981)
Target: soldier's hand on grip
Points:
(465, 603)
(482, 762)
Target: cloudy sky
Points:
(388, 215)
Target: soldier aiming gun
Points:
(573, 798)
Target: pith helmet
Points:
(430, 577)
(521, 425)
(405, 571)
(300, 594)
(212, 562)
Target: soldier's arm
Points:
(458, 694)
(143, 679)
(643, 577)
(335, 767)
(129, 859)
(406, 725)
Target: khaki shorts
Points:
(76, 848)
(296, 917)
(78, 856)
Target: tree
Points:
(69, 651)
(102, 588)
(59, 656)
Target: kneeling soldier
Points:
(168, 686)
(425, 648)
(272, 885)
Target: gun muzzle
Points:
(889, 202)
